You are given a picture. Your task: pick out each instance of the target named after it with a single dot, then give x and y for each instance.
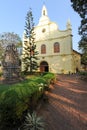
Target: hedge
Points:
(17, 99)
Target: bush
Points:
(49, 77)
(8, 116)
(33, 122)
(83, 75)
(17, 99)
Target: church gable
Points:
(54, 46)
(47, 33)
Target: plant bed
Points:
(19, 98)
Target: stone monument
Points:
(11, 65)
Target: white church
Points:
(55, 47)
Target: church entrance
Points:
(44, 66)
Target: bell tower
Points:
(44, 19)
(44, 11)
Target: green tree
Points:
(8, 38)
(29, 49)
(80, 6)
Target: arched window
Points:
(43, 49)
(44, 12)
(56, 47)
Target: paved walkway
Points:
(67, 107)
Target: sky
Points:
(13, 14)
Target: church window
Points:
(44, 12)
(43, 49)
(56, 47)
(43, 30)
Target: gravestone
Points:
(11, 65)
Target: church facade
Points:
(55, 47)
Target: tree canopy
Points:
(9, 38)
(29, 49)
(80, 6)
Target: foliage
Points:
(1, 50)
(80, 6)
(8, 118)
(17, 99)
(29, 50)
(49, 77)
(33, 122)
(83, 47)
(83, 75)
(8, 38)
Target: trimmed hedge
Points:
(17, 99)
(49, 77)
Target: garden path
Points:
(67, 106)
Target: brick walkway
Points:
(67, 107)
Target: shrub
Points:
(50, 78)
(17, 99)
(8, 117)
(83, 75)
(33, 122)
